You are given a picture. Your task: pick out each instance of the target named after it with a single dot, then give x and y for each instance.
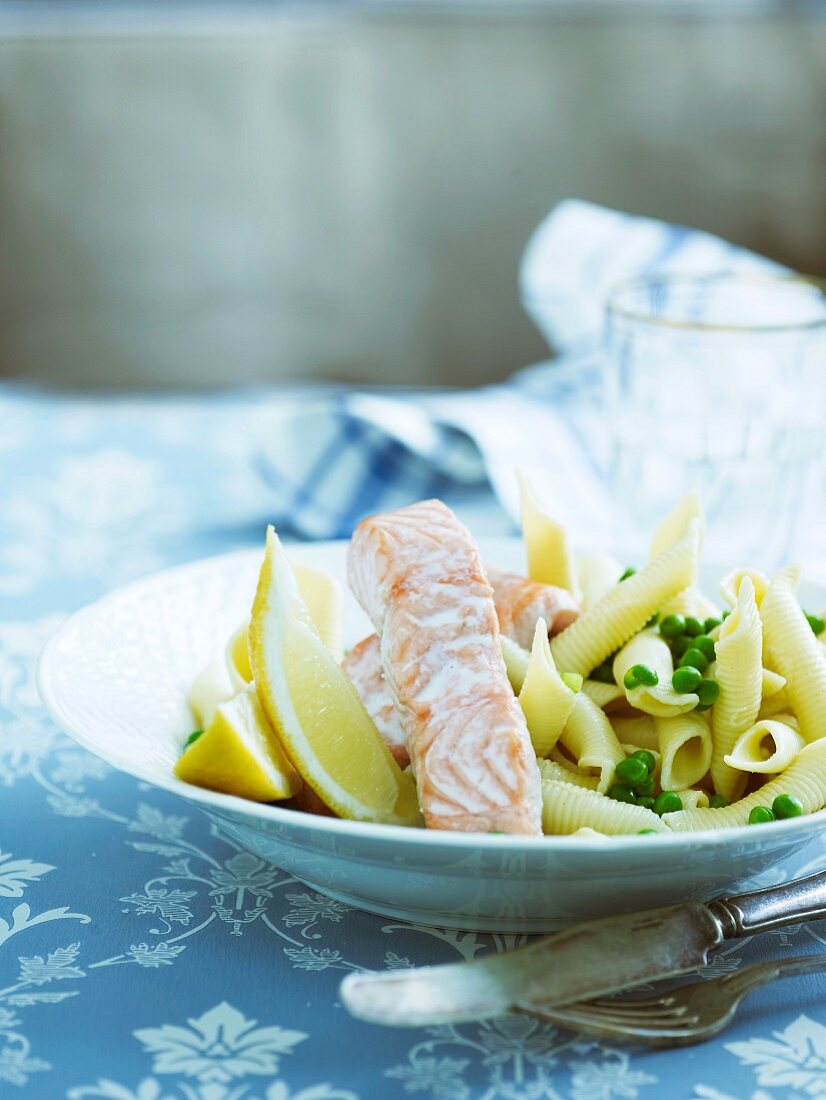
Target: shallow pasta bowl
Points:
(115, 677)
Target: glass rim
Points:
(614, 310)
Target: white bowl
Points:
(115, 677)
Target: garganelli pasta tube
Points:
(604, 695)
(590, 739)
(566, 808)
(550, 769)
(516, 661)
(677, 523)
(550, 559)
(597, 573)
(545, 700)
(767, 748)
(638, 729)
(805, 779)
(795, 653)
(648, 648)
(739, 672)
(624, 610)
(730, 584)
(694, 799)
(685, 745)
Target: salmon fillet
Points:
(418, 575)
(521, 603)
(363, 666)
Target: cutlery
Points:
(586, 961)
(689, 1014)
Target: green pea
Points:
(631, 772)
(640, 675)
(694, 658)
(693, 627)
(717, 802)
(816, 623)
(786, 805)
(642, 832)
(604, 673)
(655, 618)
(685, 680)
(648, 758)
(760, 815)
(710, 624)
(681, 644)
(621, 794)
(705, 646)
(672, 626)
(193, 737)
(708, 692)
(629, 572)
(725, 614)
(646, 788)
(646, 801)
(667, 803)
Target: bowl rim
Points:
(397, 835)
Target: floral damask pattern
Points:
(222, 970)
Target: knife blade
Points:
(589, 960)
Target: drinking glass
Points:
(718, 382)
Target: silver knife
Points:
(588, 960)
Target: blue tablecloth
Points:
(143, 956)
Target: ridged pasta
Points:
(590, 739)
(676, 525)
(694, 799)
(775, 695)
(604, 695)
(805, 778)
(624, 610)
(685, 745)
(559, 756)
(648, 648)
(750, 755)
(739, 674)
(730, 584)
(596, 573)
(210, 687)
(516, 661)
(566, 808)
(550, 559)
(550, 769)
(795, 653)
(691, 601)
(638, 730)
(545, 700)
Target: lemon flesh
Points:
(239, 754)
(320, 719)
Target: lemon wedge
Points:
(237, 656)
(320, 720)
(210, 687)
(322, 595)
(238, 753)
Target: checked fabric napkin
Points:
(344, 455)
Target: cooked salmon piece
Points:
(521, 603)
(418, 575)
(363, 666)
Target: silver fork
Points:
(689, 1014)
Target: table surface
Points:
(143, 955)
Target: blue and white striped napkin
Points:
(339, 457)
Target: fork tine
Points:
(588, 1022)
(633, 1011)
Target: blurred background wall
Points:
(192, 197)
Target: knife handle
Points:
(746, 914)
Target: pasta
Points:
(589, 738)
(625, 609)
(690, 602)
(775, 695)
(685, 745)
(648, 648)
(767, 748)
(550, 769)
(796, 653)
(545, 699)
(566, 808)
(516, 661)
(740, 676)
(677, 524)
(596, 573)
(604, 695)
(550, 560)
(638, 730)
(805, 779)
(730, 585)
(694, 799)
